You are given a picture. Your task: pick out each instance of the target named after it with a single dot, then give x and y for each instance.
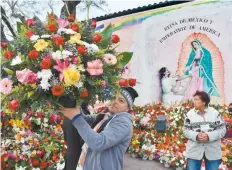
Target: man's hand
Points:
(70, 112)
(202, 137)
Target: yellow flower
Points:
(33, 153)
(135, 142)
(224, 159)
(71, 76)
(76, 39)
(41, 45)
(12, 122)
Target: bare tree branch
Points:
(98, 4)
(4, 18)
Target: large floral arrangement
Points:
(57, 62)
(169, 147)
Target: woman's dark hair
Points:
(203, 96)
(84, 108)
(162, 72)
(193, 45)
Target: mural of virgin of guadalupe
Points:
(199, 66)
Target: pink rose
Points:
(54, 118)
(26, 76)
(95, 68)
(32, 78)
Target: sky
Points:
(112, 6)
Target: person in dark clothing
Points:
(74, 141)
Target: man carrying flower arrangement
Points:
(204, 128)
(105, 144)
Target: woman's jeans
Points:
(209, 165)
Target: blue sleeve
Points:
(114, 133)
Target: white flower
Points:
(79, 84)
(45, 36)
(45, 120)
(91, 48)
(66, 53)
(177, 164)
(38, 121)
(60, 166)
(94, 47)
(16, 60)
(61, 30)
(44, 74)
(66, 31)
(24, 115)
(45, 125)
(36, 169)
(57, 55)
(44, 84)
(145, 147)
(70, 31)
(16, 129)
(182, 161)
(81, 68)
(20, 168)
(34, 37)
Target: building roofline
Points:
(139, 9)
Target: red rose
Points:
(75, 27)
(94, 23)
(30, 22)
(115, 39)
(8, 54)
(52, 27)
(59, 41)
(97, 38)
(39, 114)
(82, 50)
(132, 82)
(46, 63)
(52, 16)
(33, 54)
(35, 162)
(29, 34)
(13, 105)
(84, 93)
(71, 18)
(4, 44)
(43, 165)
(123, 82)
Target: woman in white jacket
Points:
(204, 128)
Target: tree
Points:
(13, 11)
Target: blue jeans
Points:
(209, 165)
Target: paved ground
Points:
(137, 164)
